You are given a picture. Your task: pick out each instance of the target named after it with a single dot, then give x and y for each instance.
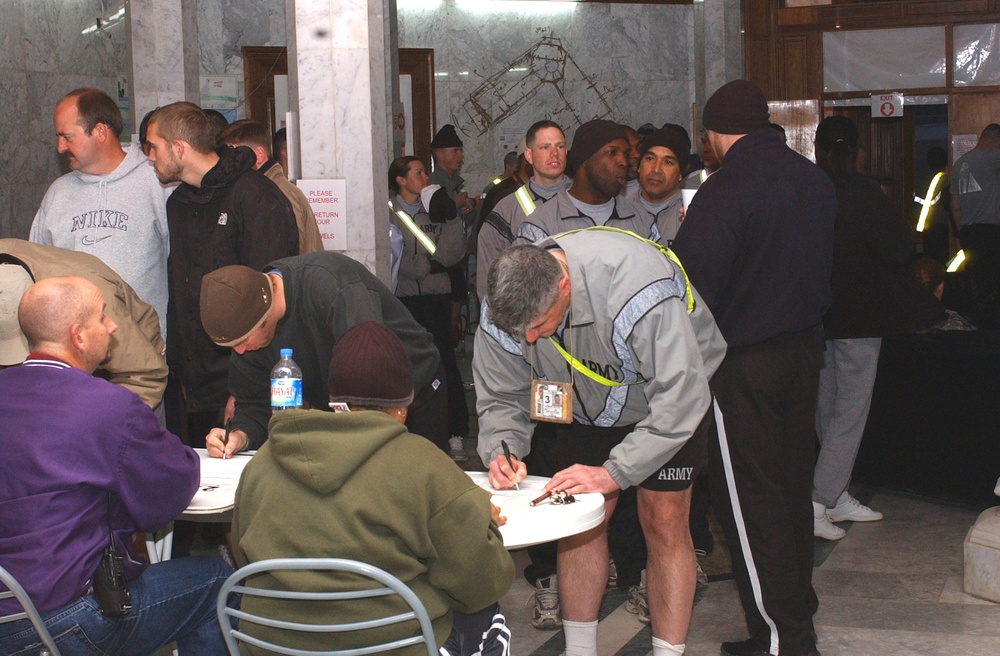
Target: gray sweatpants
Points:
(845, 395)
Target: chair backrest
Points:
(15, 591)
(392, 586)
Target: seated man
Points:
(355, 484)
(83, 457)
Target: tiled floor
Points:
(889, 588)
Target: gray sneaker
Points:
(700, 583)
(638, 603)
(456, 447)
(612, 574)
(546, 615)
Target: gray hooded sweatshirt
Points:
(119, 217)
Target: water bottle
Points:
(286, 383)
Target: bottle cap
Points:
(286, 353)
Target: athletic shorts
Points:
(591, 445)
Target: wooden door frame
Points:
(419, 64)
(260, 65)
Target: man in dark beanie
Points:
(757, 242)
(446, 149)
(449, 155)
(599, 160)
(663, 162)
(306, 303)
(315, 487)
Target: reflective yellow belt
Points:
(582, 368)
(525, 200)
(928, 200)
(412, 226)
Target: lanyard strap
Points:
(582, 368)
(663, 249)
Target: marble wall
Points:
(502, 65)
(572, 62)
(44, 55)
(225, 26)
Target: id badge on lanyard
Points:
(551, 401)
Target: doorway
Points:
(416, 90)
(260, 65)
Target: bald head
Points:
(64, 317)
(50, 307)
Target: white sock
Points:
(581, 638)
(819, 510)
(844, 496)
(664, 648)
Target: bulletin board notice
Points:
(327, 198)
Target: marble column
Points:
(341, 67)
(164, 53)
(718, 46)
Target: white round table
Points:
(527, 525)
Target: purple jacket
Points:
(68, 439)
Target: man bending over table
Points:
(625, 371)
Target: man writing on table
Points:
(306, 303)
(633, 347)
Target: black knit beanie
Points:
(672, 138)
(446, 137)
(738, 107)
(590, 138)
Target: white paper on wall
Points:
(876, 60)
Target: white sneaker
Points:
(849, 509)
(824, 528)
(456, 447)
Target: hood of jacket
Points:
(322, 450)
(232, 163)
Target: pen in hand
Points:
(506, 454)
(225, 437)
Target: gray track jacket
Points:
(629, 323)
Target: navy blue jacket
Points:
(757, 241)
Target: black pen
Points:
(225, 437)
(506, 454)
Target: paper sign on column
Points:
(327, 198)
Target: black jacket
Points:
(237, 216)
(326, 294)
(757, 241)
(873, 295)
